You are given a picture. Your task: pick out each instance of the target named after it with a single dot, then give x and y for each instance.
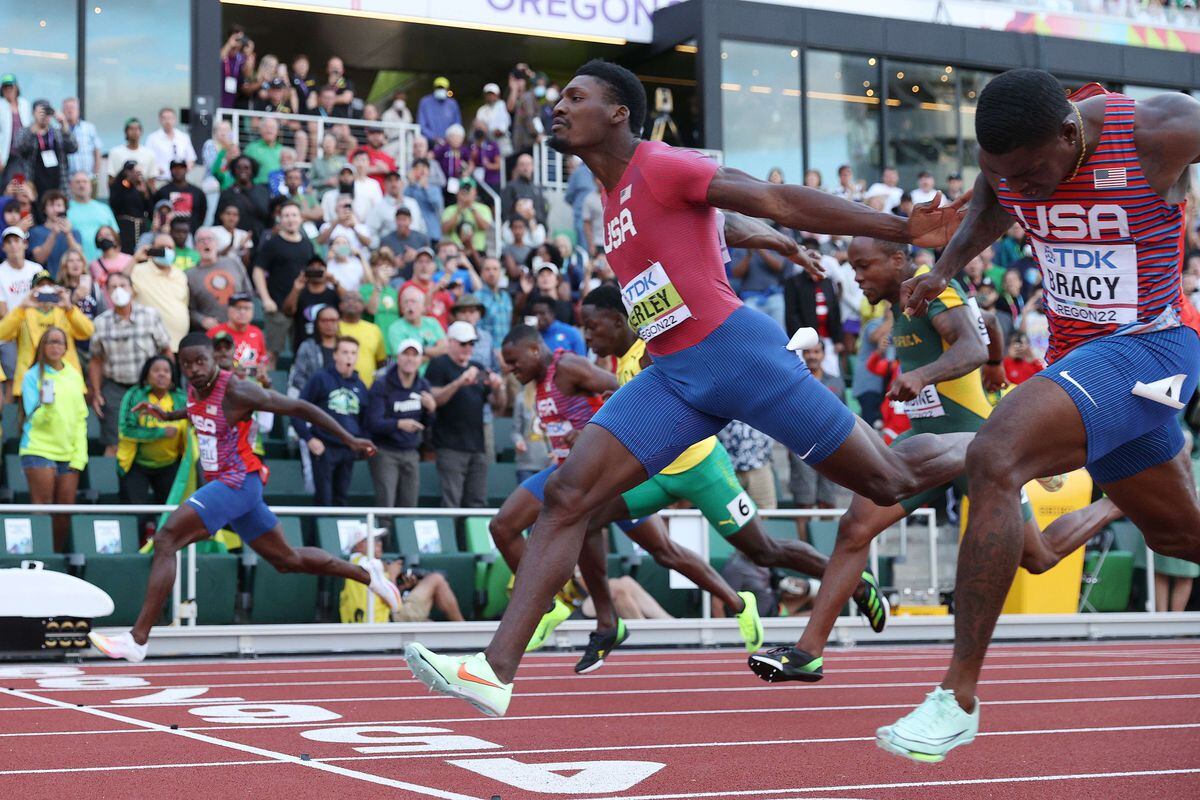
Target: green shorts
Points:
(928, 496)
(711, 486)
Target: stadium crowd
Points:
(381, 293)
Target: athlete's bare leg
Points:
(435, 590)
(1161, 502)
(593, 566)
(182, 528)
(313, 560)
(767, 551)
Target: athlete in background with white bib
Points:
(1097, 180)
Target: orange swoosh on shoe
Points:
(463, 675)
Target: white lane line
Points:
(606, 676)
(787, 794)
(606, 748)
(621, 715)
(593, 692)
(282, 758)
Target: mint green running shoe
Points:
(557, 615)
(469, 678)
(931, 730)
(750, 623)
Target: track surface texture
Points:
(1060, 720)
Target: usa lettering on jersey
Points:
(617, 229)
(1072, 221)
(546, 407)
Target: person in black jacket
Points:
(811, 304)
(253, 200)
(338, 391)
(400, 406)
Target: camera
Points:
(45, 296)
(314, 273)
(156, 252)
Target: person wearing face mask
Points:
(125, 336)
(438, 111)
(346, 266)
(160, 285)
(398, 113)
(110, 260)
(346, 225)
(47, 305)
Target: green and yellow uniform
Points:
(702, 474)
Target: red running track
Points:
(1113, 719)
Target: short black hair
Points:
(1020, 108)
(519, 334)
(624, 88)
(195, 339)
(606, 297)
(542, 300)
(144, 375)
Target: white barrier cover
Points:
(42, 593)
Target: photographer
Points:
(50, 241)
(43, 148)
(461, 386)
(423, 591)
(46, 306)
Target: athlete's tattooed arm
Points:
(249, 397)
(964, 352)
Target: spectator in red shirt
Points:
(381, 162)
(249, 345)
(1020, 364)
(437, 299)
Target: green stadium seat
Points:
(276, 597)
(216, 587)
(105, 549)
(491, 573)
(285, 486)
(362, 489)
(1111, 581)
(822, 534)
(101, 477)
(429, 543)
(501, 482)
(14, 478)
(28, 538)
(502, 428)
(95, 446)
(279, 380)
(430, 491)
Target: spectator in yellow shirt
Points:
(46, 306)
(371, 350)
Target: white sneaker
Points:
(120, 646)
(931, 730)
(382, 585)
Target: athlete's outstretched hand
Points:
(917, 291)
(363, 448)
(994, 378)
(932, 224)
(151, 409)
(809, 261)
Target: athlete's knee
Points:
(855, 529)
(502, 530)
(992, 462)
(1173, 543)
(565, 499)
(167, 541)
(285, 562)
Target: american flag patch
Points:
(1113, 178)
(626, 192)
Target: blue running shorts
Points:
(536, 485)
(1127, 433)
(241, 510)
(742, 370)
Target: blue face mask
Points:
(539, 91)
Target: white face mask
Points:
(166, 259)
(121, 297)
(552, 95)
(440, 94)
(398, 105)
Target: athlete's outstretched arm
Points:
(249, 394)
(585, 377)
(805, 209)
(984, 223)
(752, 234)
(966, 352)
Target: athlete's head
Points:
(196, 360)
(605, 322)
(601, 100)
(1027, 131)
(878, 267)
(524, 353)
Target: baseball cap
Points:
(42, 277)
(441, 82)
(468, 300)
(8, 79)
(954, 176)
(491, 87)
(424, 251)
(360, 535)
(467, 183)
(178, 162)
(221, 335)
(462, 332)
(410, 344)
(241, 297)
(348, 169)
(13, 230)
(544, 266)
(277, 83)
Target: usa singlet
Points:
(226, 451)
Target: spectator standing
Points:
(233, 64)
(497, 303)
(15, 114)
(328, 165)
(760, 275)
(86, 158)
(809, 488)
(493, 114)
(311, 291)
(212, 283)
(750, 453)
(461, 386)
(295, 190)
(150, 449)
(529, 443)
(339, 392)
(926, 189)
(522, 187)
(454, 157)
(467, 209)
(249, 345)
(954, 187)
(523, 105)
(353, 181)
(187, 200)
(133, 150)
(43, 148)
(73, 276)
(252, 199)
(555, 333)
(868, 386)
(398, 112)
(304, 85)
(16, 278)
(1020, 364)
(404, 240)
(580, 187)
(516, 253)
(485, 155)
(371, 353)
(809, 304)
(49, 241)
(889, 188)
(46, 306)
(346, 225)
(381, 164)
(437, 299)
(277, 265)
(400, 406)
(382, 219)
(427, 196)
(160, 285)
(87, 216)
(110, 259)
(346, 266)
(266, 150)
(847, 187)
(180, 231)
(535, 234)
(468, 309)
(315, 353)
(53, 446)
(380, 297)
(168, 144)
(232, 241)
(592, 221)
(438, 111)
(130, 202)
(343, 87)
(413, 324)
(1011, 247)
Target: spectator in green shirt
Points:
(266, 150)
(185, 257)
(382, 302)
(469, 210)
(413, 324)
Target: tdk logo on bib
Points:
(617, 228)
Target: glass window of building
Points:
(38, 44)
(922, 121)
(760, 108)
(137, 62)
(971, 83)
(843, 100)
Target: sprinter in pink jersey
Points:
(714, 359)
(1098, 181)
(221, 408)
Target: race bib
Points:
(925, 405)
(653, 303)
(980, 325)
(559, 428)
(208, 452)
(1090, 282)
(741, 509)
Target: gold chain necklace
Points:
(1082, 143)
